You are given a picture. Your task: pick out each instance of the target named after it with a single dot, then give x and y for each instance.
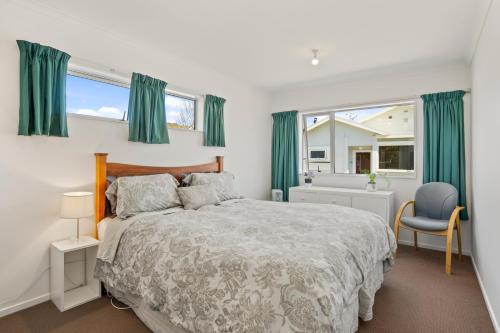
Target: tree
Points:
(185, 116)
(352, 115)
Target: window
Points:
(96, 98)
(103, 98)
(360, 140)
(181, 111)
(396, 157)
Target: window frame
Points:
(393, 173)
(126, 84)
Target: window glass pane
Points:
(318, 143)
(360, 132)
(396, 157)
(366, 139)
(94, 98)
(180, 112)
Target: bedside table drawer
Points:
(335, 199)
(298, 196)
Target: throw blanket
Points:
(247, 265)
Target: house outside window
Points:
(361, 140)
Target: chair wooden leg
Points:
(396, 234)
(449, 242)
(415, 240)
(459, 239)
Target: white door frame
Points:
(354, 152)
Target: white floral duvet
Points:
(248, 265)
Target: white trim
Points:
(326, 149)
(87, 116)
(24, 304)
(369, 105)
(354, 159)
(472, 52)
(433, 247)
(486, 298)
(396, 143)
(123, 122)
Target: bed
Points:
(244, 265)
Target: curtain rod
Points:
(379, 103)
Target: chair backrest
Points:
(436, 200)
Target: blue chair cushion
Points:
(424, 223)
(436, 200)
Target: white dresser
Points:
(379, 202)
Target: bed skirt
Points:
(360, 306)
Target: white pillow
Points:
(194, 197)
(137, 194)
(223, 182)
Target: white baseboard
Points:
(486, 299)
(433, 247)
(24, 304)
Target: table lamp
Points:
(76, 205)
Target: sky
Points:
(89, 97)
(360, 115)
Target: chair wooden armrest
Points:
(397, 221)
(402, 209)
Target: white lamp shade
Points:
(77, 204)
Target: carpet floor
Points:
(416, 297)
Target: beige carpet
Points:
(416, 297)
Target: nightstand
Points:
(90, 288)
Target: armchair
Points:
(435, 212)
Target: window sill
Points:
(412, 175)
(123, 122)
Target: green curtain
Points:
(146, 110)
(285, 164)
(42, 105)
(444, 148)
(214, 121)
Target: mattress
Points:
(102, 226)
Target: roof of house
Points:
(349, 123)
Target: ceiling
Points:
(268, 43)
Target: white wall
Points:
(34, 171)
(485, 191)
(386, 87)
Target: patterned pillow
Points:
(111, 195)
(194, 197)
(138, 194)
(224, 183)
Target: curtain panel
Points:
(213, 124)
(42, 105)
(285, 164)
(146, 110)
(444, 147)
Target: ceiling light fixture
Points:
(315, 60)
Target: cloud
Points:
(173, 117)
(173, 102)
(105, 111)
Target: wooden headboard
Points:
(104, 169)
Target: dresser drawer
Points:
(298, 196)
(378, 206)
(335, 199)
